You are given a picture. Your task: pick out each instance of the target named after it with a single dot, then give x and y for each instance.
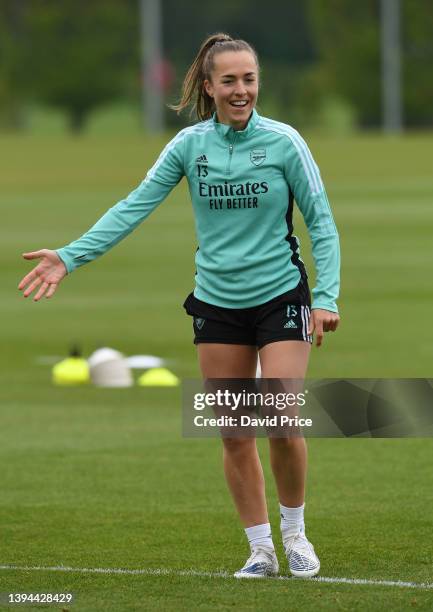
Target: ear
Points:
(208, 87)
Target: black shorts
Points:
(285, 317)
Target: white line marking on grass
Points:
(397, 583)
(192, 572)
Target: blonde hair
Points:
(193, 91)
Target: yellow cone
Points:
(158, 377)
(71, 371)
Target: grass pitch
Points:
(96, 478)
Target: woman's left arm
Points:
(306, 184)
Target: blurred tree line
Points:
(70, 54)
(320, 59)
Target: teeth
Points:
(243, 103)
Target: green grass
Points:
(99, 478)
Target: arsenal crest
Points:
(257, 156)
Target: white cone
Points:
(109, 368)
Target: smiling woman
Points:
(234, 87)
(251, 298)
(224, 75)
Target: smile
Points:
(239, 103)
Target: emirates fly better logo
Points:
(257, 156)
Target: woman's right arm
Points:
(112, 227)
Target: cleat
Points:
(303, 561)
(262, 562)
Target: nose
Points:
(240, 89)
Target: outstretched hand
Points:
(45, 277)
(322, 321)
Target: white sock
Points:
(292, 520)
(260, 535)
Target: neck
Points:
(237, 126)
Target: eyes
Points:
(247, 80)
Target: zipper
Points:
(229, 162)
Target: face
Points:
(234, 86)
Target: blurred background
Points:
(82, 66)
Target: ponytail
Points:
(193, 91)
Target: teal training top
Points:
(242, 186)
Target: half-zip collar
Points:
(227, 132)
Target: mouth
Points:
(239, 104)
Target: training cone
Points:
(158, 377)
(109, 368)
(71, 371)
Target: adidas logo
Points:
(290, 325)
(202, 159)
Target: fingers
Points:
(47, 289)
(316, 324)
(28, 277)
(319, 332)
(41, 292)
(311, 324)
(51, 290)
(333, 325)
(33, 274)
(32, 286)
(34, 254)
(36, 280)
(322, 321)
(333, 322)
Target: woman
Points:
(251, 295)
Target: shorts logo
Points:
(257, 156)
(199, 322)
(291, 312)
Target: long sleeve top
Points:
(243, 185)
